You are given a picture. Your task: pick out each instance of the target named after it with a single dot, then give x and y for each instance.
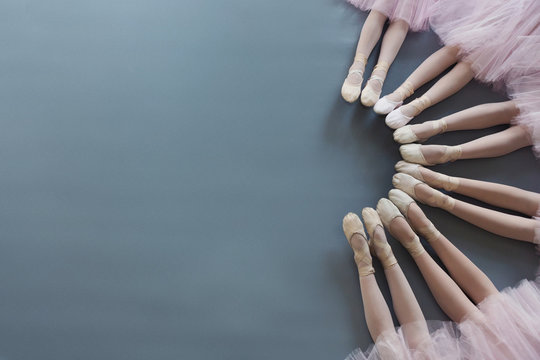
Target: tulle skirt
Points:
(508, 328)
(414, 12)
(493, 35)
(537, 233)
(525, 92)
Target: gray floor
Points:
(174, 174)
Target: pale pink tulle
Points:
(492, 34)
(510, 330)
(524, 90)
(414, 12)
(537, 234)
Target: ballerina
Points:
(486, 40)
(413, 338)
(482, 116)
(491, 324)
(522, 114)
(433, 66)
(419, 183)
(486, 323)
(403, 15)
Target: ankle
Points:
(439, 126)
(419, 104)
(383, 250)
(414, 246)
(429, 231)
(440, 154)
(440, 200)
(402, 92)
(439, 180)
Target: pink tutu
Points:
(537, 233)
(525, 92)
(414, 12)
(510, 329)
(492, 34)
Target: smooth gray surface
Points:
(174, 174)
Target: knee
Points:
(401, 24)
(419, 341)
(375, 18)
(451, 51)
(511, 108)
(522, 134)
(465, 68)
(474, 315)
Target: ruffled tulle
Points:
(414, 12)
(493, 35)
(537, 235)
(508, 328)
(525, 92)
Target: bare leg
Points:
(447, 293)
(391, 43)
(406, 307)
(371, 32)
(503, 196)
(477, 117)
(511, 226)
(494, 145)
(467, 275)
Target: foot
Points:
(422, 192)
(430, 154)
(416, 217)
(354, 231)
(350, 91)
(401, 200)
(372, 91)
(377, 239)
(410, 168)
(398, 227)
(388, 103)
(406, 113)
(430, 177)
(419, 132)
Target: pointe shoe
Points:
(409, 168)
(369, 96)
(407, 184)
(352, 225)
(440, 181)
(388, 212)
(406, 135)
(384, 105)
(413, 153)
(379, 245)
(403, 201)
(397, 118)
(351, 91)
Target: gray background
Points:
(173, 176)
